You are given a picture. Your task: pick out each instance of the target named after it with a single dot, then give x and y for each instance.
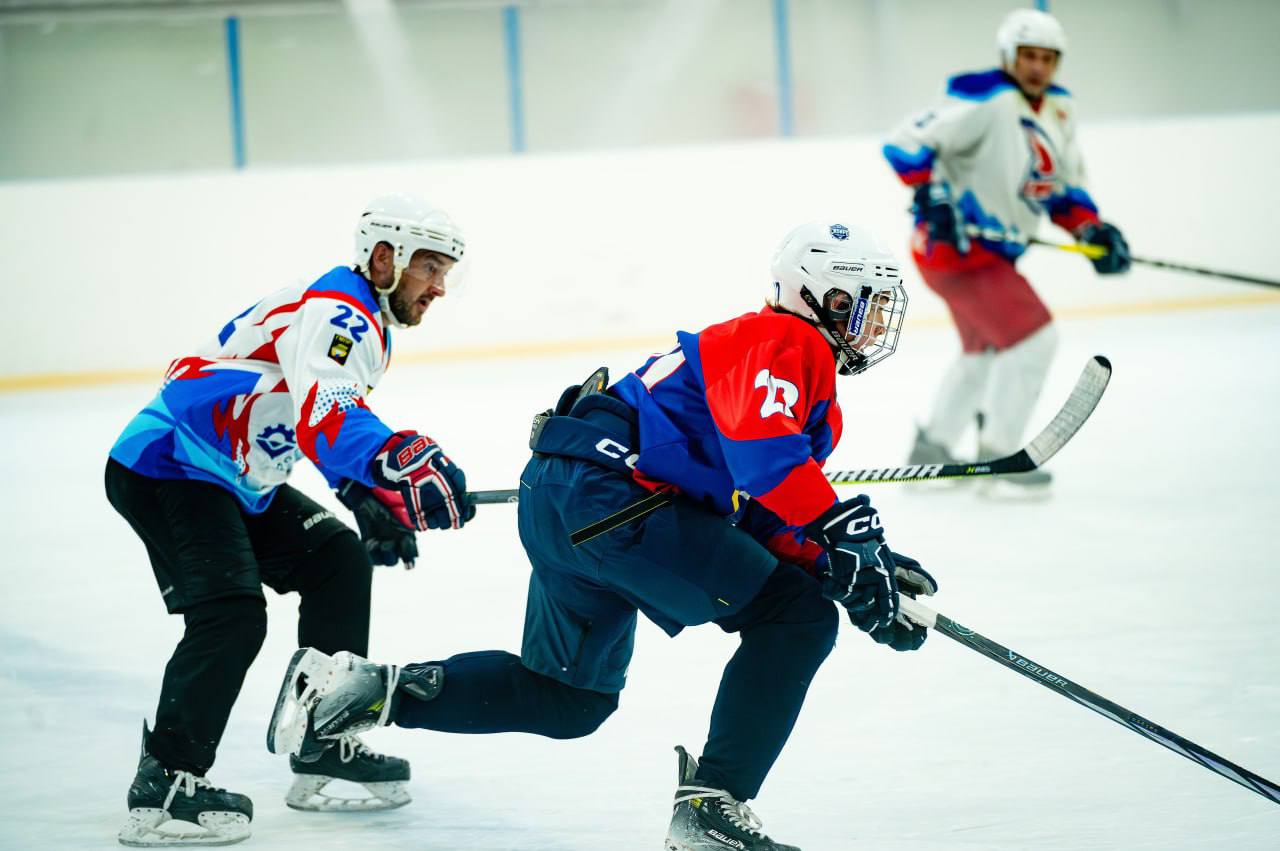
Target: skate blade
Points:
(148, 828)
(288, 727)
(306, 794)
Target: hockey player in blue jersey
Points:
(690, 492)
(200, 474)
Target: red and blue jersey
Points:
(741, 416)
(287, 378)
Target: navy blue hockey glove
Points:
(933, 207)
(421, 486)
(914, 581)
(1117, 259)
(860, 574)
(385, 537)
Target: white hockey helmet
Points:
(847, 283)
(407, 224)
(1029, 28)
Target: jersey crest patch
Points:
(340, 348)
(780, 395)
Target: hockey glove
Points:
(860, 573)
(934, 209)
(421, 486)
(386, 538)
(913, 580)
(1117, 259)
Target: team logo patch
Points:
(839, 232)
(340, 348)
(276, 440)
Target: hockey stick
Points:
(1095, 251)
(1079, 405)
(1127, 718)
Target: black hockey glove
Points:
(913, 580)
(860, 574)
(933, 207)
(1117, 259)
(387, 539)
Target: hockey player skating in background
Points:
(986, 164)
(200, 476)
(737, 421)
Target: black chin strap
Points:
(854, 359)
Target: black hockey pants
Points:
(211, 560)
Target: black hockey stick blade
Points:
(1020, 664)
(1084, 397)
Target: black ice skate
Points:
(711, 820)
(161, 797)
(382, 776)
(325, 699)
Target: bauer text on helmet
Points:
(842, 279)
(420, 244)
(1031, 44)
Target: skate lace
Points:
(350, 747)
(737, 812)
(188, 783)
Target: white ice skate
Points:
(324, 697)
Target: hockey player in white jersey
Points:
(200, 474)
(986, 164)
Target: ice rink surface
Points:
(1150, 576)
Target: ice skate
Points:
(710, 820)
(383, 777)
(925, 451)
(324, 699)
(169, 808)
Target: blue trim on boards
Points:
(237, 102)
(515, 86)
(782, 43)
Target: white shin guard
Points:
(1013, 387)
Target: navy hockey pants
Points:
(681, 566)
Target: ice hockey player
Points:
(691, 492)
(986, 164)
(200, 474)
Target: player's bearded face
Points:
(421, 282)
(1033, 69)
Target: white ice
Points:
(1150, 577)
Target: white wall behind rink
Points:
(126, 273)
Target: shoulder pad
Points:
(982, 85)
(343, 279)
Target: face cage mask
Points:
(873, 319)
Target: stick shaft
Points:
(1053, 681)
(1095, 251)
